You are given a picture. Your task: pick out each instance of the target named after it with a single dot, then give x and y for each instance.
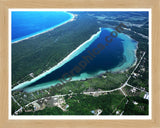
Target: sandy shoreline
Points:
(61, 63)
(49, 29)
(68, 58)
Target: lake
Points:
(116, 56)
(26, 24)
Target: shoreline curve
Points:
(45, 30)
(73, 54)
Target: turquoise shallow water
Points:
(117, 56)
(130, 47)
(72, 55)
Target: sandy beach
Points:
(49, 29)
(73, 54)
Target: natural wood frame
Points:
(6, 4)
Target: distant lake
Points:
(29, 23)
(117, 56)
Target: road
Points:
(94, 92)
(125, 84)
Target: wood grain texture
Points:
(6, 4)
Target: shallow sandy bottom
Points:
(129, 45)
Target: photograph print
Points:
(79, 62)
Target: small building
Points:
(96, 112)
(133, 90)
(146, 96)
(36, 106)
(31, 75)
(104, 76)
(135, 103)
(25, 96)
(117, 112)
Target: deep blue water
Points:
(110, 56)
(28, 23)
(120, 51)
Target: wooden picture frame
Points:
(5, 122)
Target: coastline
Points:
(46, 30)
(126, 66)
(73, 54)
(83, 76)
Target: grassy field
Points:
(111, 81)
